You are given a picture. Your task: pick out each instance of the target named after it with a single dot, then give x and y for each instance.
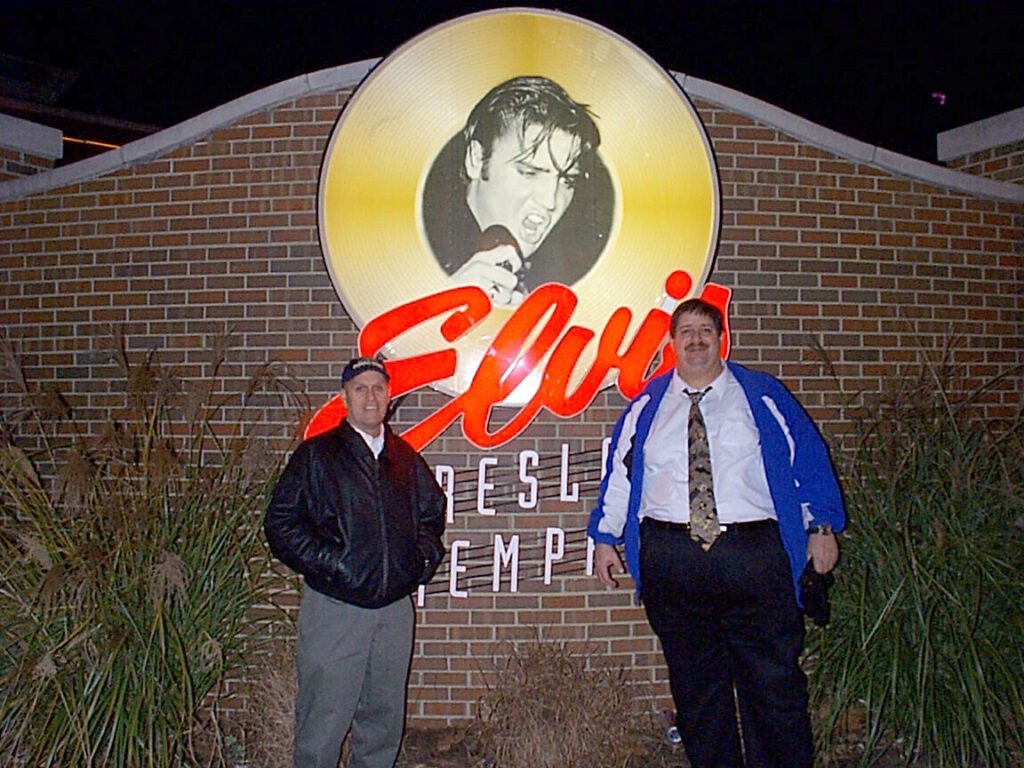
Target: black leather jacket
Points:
(363, 530)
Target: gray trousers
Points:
(353, 666)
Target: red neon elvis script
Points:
(543, 319)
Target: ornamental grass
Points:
(550, 705)
(922, 663)
(130, 558)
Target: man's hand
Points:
(606, 560)
(823, 549)
(495, 271)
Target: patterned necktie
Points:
(704, 527)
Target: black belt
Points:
(750, 526)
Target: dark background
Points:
(871, 70)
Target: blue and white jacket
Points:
(800, 475)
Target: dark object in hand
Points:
(496, 235)
(814, 588)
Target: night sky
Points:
(889, 73)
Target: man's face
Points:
(698, 349)
(525, 191)
(366, 397)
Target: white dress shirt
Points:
(740, 483)
(375, 444)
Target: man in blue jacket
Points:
(721, 489)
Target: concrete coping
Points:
(348, 75)
(996, 131)
(31, 138)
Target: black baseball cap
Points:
(358, 365)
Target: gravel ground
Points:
(449, 748)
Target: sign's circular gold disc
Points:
(666, 208)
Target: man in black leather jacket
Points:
(358, 514)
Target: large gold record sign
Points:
(657, 212)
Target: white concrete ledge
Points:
(348, 75)
(846, 147)
(31, 138)
(980, 135)
(161, 143)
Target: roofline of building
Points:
(348, 75)
(45, 110)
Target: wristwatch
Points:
(825, 530)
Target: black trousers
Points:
(727, 619)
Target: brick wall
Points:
(27, 148)
(1004, 163)
(874, 267)
(14, 164)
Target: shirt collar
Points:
(375, 444)
(679, 386)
